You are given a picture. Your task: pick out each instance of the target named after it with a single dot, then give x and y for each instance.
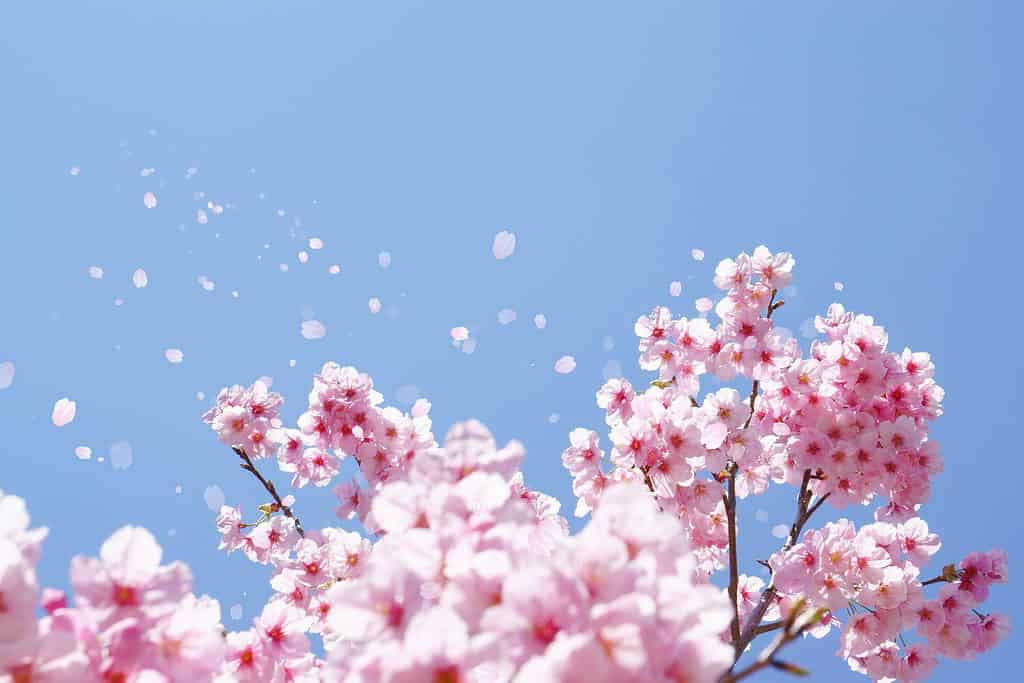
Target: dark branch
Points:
(248, 466)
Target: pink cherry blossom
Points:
(63, 412)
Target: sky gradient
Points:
(881, 144)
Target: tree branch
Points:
(804, 510)
(248, 466)
(734, 579)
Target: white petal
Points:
(149, 199)
(460, 333)
(63, 412)
(506, 316)
(140, 279)
(675, 288)
(313, 329)
(6, 374)
(565, 365)
(316, 243)
(697, 254)
(384, 259)
(504, 245)
(374, 305)
(540, 321)
(95, 272)
(174, 355)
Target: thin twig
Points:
(248, 466)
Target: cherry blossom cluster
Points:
(847, 423)
(459, 585)
(132, 619)
(460, 573)
(875, 574)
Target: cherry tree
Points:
(461, 573)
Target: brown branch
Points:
(937, 579)
(768, 658)
(804, 510)
(734, 580)
(248, 466)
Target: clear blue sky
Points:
(880, 143)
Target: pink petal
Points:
(506, 316)
(83, 452)
(838, 285)
(675, 288)
(313, 329)
(697, 254)
(565, 365)
(316, 243)
(95, 272)
(540, 321)
(704, 304)
(149, 199)
(374, 305)
(174, 355)
(140, 279)
(303, 256)
(504, 245)
(460, 333)
(63, 412)
(6, 374)
(384, 259)
(334, 269)
(420, 408)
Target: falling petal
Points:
(201, 217)
(460, 333)
(83, 452)
(565, 365)
(540, 321)
(384, 259)
(174, 355)
(504, 245)
(200, 395)
(75, 170)
(149, 199)
(316, 243)
(675, 288)
(374, 305)
(236, 612)
(697, 254)
(214, 497)
(291, 363)
(553, 418)
(313, 329)
(6, 374)
(95, 272)
(506, 316)
(121, 455)
(704, 304)
(63, 412)
(140, 279)
(838, 285)
(334, 269)
(780, 531)
(469, 346)
(178, 489)
(303, 256)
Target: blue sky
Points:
(880, 144)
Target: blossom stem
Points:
(248, 466)
(937, 579)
